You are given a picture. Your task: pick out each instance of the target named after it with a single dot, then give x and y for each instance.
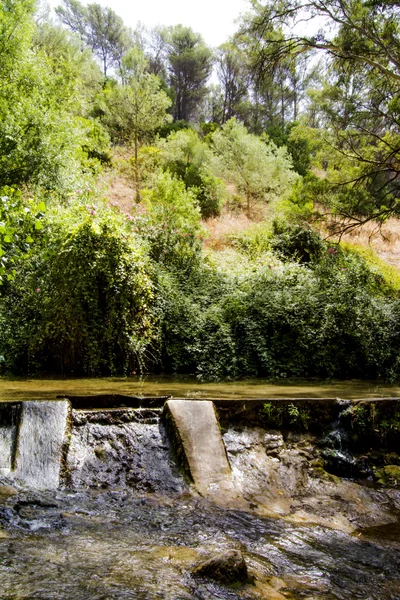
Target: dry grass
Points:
(384, 241)
(118, 187)
(220, 228)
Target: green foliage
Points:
(187, 156)
(189, 66)
(261, 171)
(165, 130)
(169, 220)
(324, 318)
(284, 415)
(387, 276)
(296, 242)
(100, 28)
(83, 306)
(355, 110)
(137, 108)
(254, 241)
(41, 138)
(297, 144)
(97, 142)
(20, 224)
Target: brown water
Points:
(47, 388)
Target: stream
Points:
(125, 524)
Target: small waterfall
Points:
(121, 448)
(9, 418)
(41, 434)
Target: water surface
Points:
(181, 387)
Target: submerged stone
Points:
(227, 567)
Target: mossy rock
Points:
(388, 476)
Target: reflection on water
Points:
(30, 389)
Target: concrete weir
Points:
(32, 435)
(198, 443)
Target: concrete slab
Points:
(198, 441)
(42, 430)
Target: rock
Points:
(228, 567)
(6, 491)
(273, 442)
(388, 476)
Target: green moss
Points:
(388, 476)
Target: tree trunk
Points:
(248, 196)
(137, 183)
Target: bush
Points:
(296, 242)
(169, 220)
(284, 319)
(84, 307)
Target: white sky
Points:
(214, 19)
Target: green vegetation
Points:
(95, 283)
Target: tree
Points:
(100, 28)
(233, 77)
(189, 67)
(40, 94)
(261, 171)
(136, 108)
(186, 156)
(361, 43)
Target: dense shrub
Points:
(112, 293)
(169, 220)
(286, 319)
(84, 307)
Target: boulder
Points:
(6, 491)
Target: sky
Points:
(213, 19)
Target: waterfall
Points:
(121, 448)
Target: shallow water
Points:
(127, 525)
(118, 545)
(180, 387)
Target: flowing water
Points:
(121, 545)
(125, 524)
(40, 438)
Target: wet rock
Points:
(388, 476)
(343, 464)
(6, 491)
(273, 442)
(227, 567)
